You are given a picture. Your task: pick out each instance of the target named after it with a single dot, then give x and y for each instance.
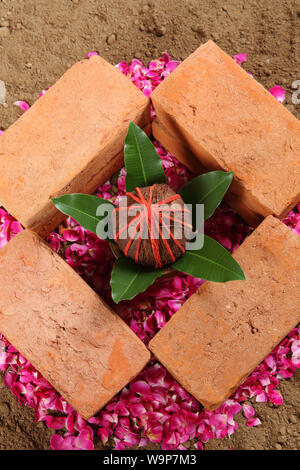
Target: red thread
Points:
(154, 218)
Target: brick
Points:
(71, 140)
(63, 328)
(213, 114)
(218, 337)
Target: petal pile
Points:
(153, 407)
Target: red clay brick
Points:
(71, 140)
(209, 110)
(63, 328)
(225, 330)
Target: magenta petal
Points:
(296, 347)
(253, 422)
(140, 387)
(59, 443)
(70, 235)
(284, 374)
(10, 378)
(56, 442)
(137, 409)
(22, 104)
(278, 93)
(55, 422)
(240, 58)
(199, 445)
(85, 439)
(103, 434)
(248, 411)
(119, 445)
(90, 54)
(143, 442)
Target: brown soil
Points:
(39, 40)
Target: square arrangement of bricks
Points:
(212, 115)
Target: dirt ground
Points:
(40, 39)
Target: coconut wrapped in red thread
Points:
(153, 226)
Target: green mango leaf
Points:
(83, 208)
(129, 279)
(213, 263)
(208, 189)
(142, 162)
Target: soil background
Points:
(40, 39)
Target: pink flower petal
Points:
(240, 58)
(90, 54)
(103, 434)
(278, 93)
(248, 411)
(56, 442)
(261, 397)
(55, 422)
(22, 104)
(85, 439)
(140, 387)
(253, 422)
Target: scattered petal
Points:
(22, 104)
(248, 411)
(90, 54)
(278, 93)
(253, 422)
(240, 58)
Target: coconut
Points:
(152, 225)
